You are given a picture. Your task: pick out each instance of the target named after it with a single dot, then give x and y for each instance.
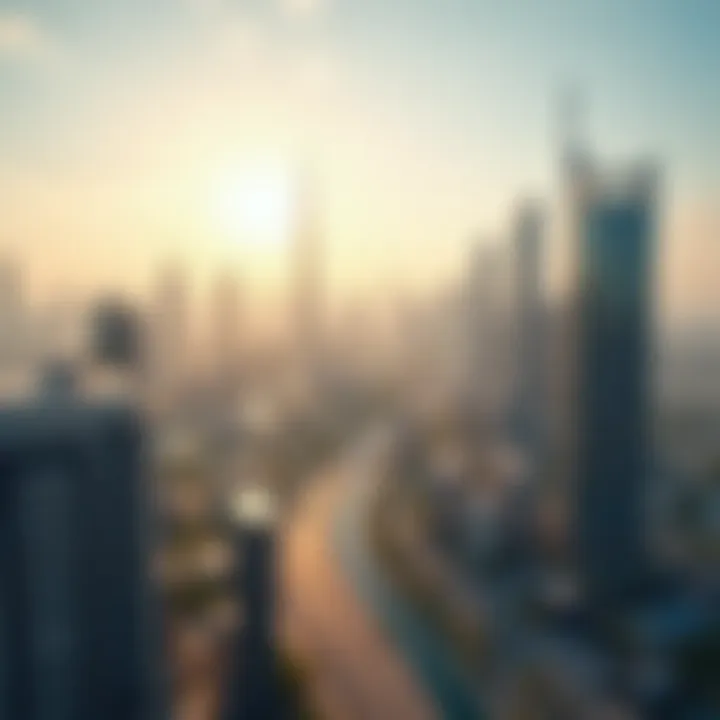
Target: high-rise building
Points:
(226, 326)
(78, 631)
(307, 294)
(530, 347)
(615, 222)
(486, 299)
(12, 321)
(170, 332)
(253, 691)
(117, 335)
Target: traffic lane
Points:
(328, 625)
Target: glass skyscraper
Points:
(76, 632)
(616, 233)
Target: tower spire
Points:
(574, 157)
(571, 117)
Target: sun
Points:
(253, 205)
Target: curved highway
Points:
(369, 655)
(453, 691)
(354, 672)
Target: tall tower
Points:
(79, 633)
(170, 330)
(118, 335)
(573, 146)
(253, 691)
(307, 261)
(226, 326)
(488, 340)
(530, 346)
(12, 321)
(616, 215)
(574, 165)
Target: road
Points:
(355, 673)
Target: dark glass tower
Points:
(78, 634)
(615, 250)
(253, 689)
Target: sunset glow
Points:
(253, 205)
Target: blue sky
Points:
(425, 117)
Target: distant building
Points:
(13, 337)
(489, 371)
(612, 377)
(253, 693)
(170, 333)
(78, 631)
(307, 292)
(530, 345)
(225, 321)
(117, 335)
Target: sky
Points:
(423, 123)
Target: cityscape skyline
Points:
(149, 108)
(359, 360)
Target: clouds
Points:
(23, 39)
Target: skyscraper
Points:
(170, 330)
(77, 618)
(530, 348)
(487, 337)
(253, 692)
(12, 322)
(307, 293)
(615, 251)
(117, 334)
(226, 326)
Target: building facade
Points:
(612, 343)
(78, 630)
(253, 692)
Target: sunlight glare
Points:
(254, 205)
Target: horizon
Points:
(119, 120)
